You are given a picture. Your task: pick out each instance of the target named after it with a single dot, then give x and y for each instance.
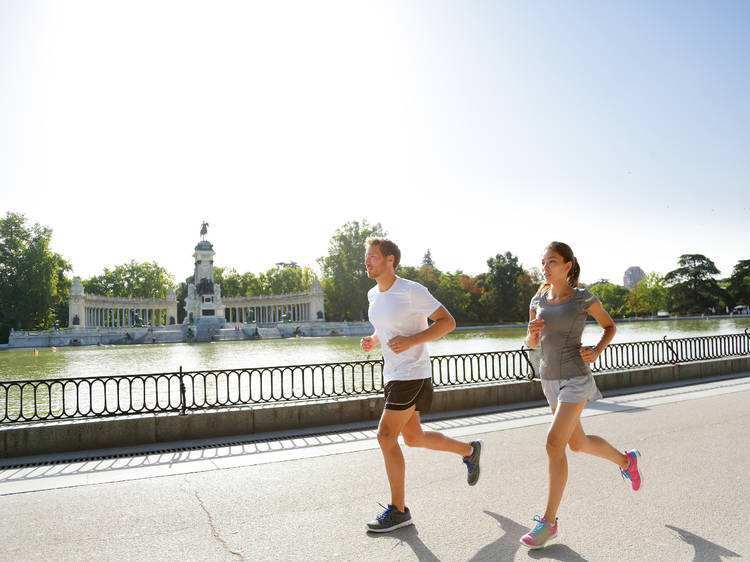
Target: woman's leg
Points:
(594, 445)
(567, 415)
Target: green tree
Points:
(429, 277)
(648, 296)
(131, 280)
(286, 278)
(477, 309)
(407, 272)
(454, 297)
(31, 276)
(502, 290)
(528, 283)
(612, 297)
(345, 280)
(739, 283)
(692, 287)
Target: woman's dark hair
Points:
(566, 253)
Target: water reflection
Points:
(123, 360)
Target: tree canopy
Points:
(611, 296)
(692, 287)
(345, 280)
(32, 282)
(132, 280)
(739, 283)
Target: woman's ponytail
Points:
(574, 272)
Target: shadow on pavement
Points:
(410, 536)
(506, 546)
(611, 407)
(705, 550)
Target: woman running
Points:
(557, 315)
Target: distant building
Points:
(633, 276)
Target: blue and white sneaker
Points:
(472, 462)
(391, 519)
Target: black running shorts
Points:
(401, 395)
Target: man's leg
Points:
(415, 436)
(391, 424)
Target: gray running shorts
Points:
(574, 389)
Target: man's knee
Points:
(415, 439)
(387, 435)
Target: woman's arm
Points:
(533, 330)
(596, 310)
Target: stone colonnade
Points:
(306, 306)
(299, 312)
(97, 311)
(125, 317)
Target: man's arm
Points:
(443, 323)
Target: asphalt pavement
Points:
(307, 498)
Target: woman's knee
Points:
(555, 445)
(577, 445)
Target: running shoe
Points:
(541, 535)
(472, 462)
(632, 473)
(391, 519)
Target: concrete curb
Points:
(60, 437)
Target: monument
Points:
(203, 306)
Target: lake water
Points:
(125, 360)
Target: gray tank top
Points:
(560, 340)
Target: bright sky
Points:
(470, 128)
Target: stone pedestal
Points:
(203, 305)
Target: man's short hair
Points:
(387, 248)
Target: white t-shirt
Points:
(402, 310)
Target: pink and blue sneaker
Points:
(541, 535)
(631, 472)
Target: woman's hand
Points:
(589, 353)
(535, 326)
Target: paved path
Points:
(308, 498)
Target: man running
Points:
(399, 310)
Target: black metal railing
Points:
(101, 396)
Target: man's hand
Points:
(400, 344)
(366, 344)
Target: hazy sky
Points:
(470, 128)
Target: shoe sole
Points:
(479, 469)
(553, 538)
(391, 528)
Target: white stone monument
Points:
(203, 305)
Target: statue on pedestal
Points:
(204, 230)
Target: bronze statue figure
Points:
(204, 230)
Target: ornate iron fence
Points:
(102, 396)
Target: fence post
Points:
(182, 394)
(525, 356)
(675, 359)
